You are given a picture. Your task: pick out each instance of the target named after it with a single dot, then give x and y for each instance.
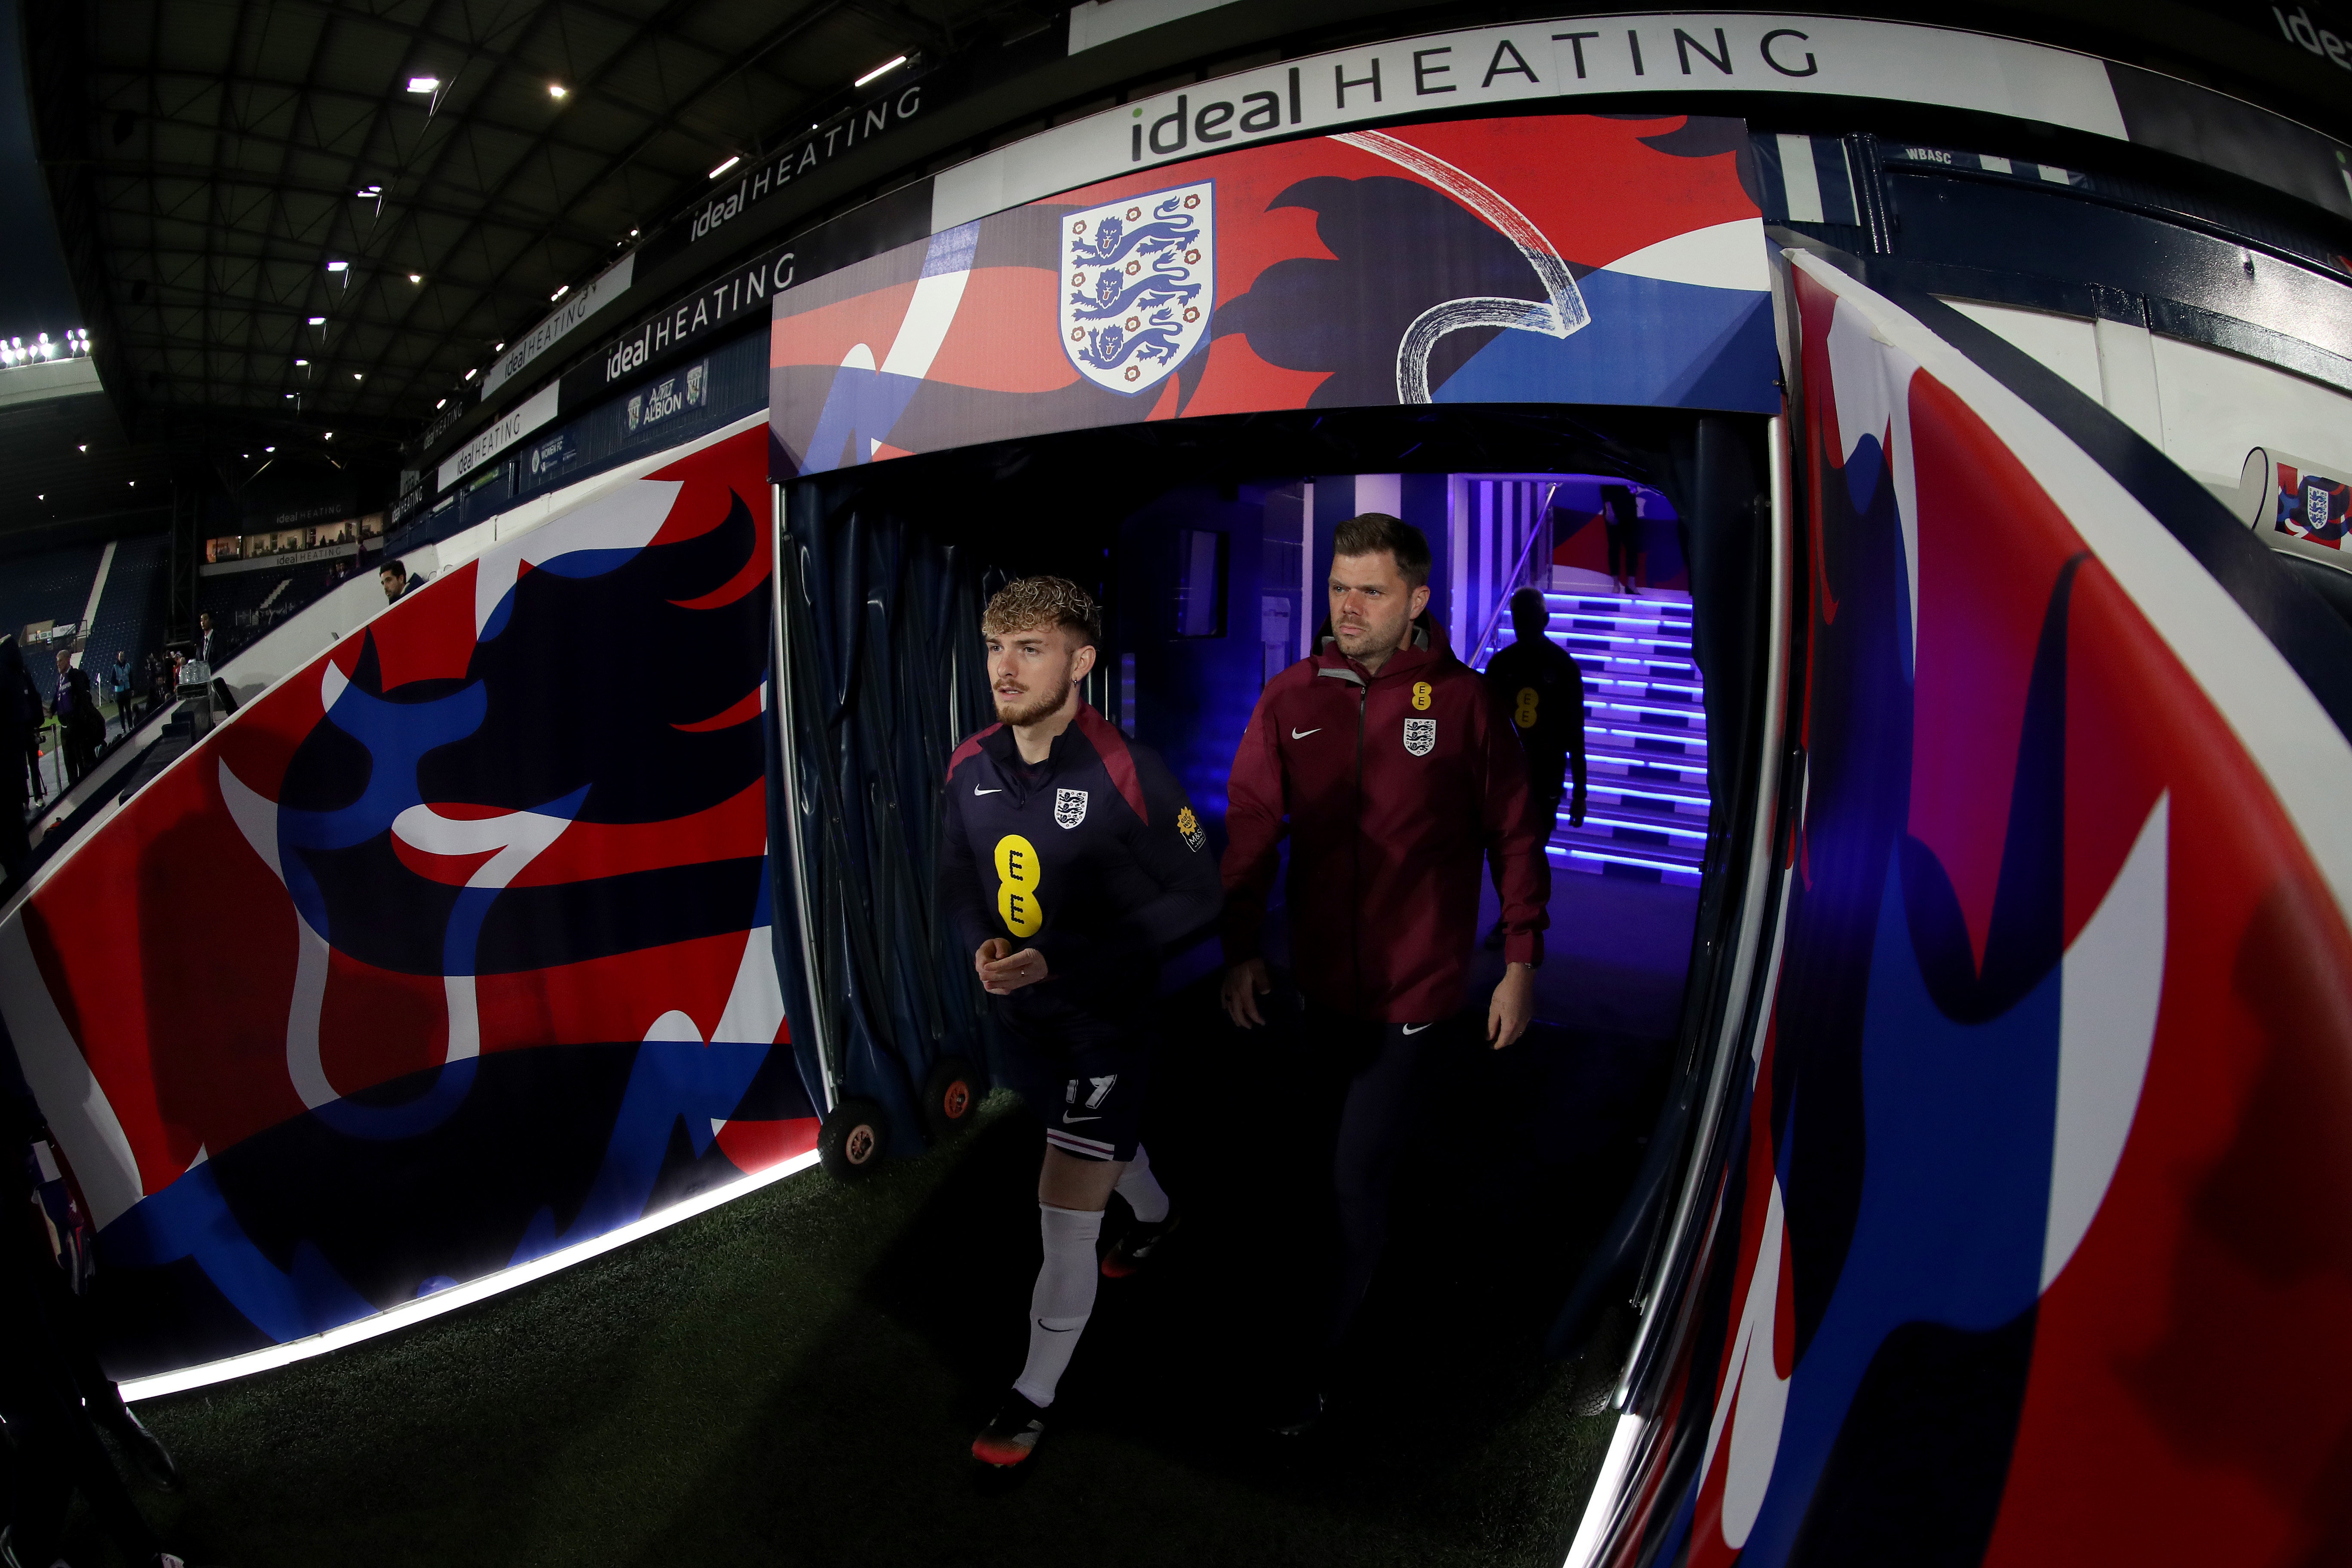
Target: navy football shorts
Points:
(1091, 1096)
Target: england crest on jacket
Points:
(1140, 284)
(1420, 736)
(1069, 807)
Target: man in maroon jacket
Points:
(1383, 760)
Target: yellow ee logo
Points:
(1421, 696)
(1523, 715)
(1016, 891)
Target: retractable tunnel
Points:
(1998, 1087)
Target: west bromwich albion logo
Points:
(1420, 736)
(1069, 807)
(1140, 284)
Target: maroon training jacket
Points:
(1394, 788)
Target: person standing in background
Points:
(118, 687)
(79, 725)
(1535, 684)
(1620, 517)
(20, 711)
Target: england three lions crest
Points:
(1420, 736)
(1069, 807)
(1141, 283)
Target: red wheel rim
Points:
(958, 1099)
(859, 1144)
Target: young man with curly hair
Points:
(1071, 861)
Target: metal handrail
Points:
(1542, 529)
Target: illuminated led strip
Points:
(1592, 821)
(1653, 707)
(1699, 744)
(1697, 775)
(1621, 791)
(1605, 615)
(1626, 860)
(1613, 639)
(408, 1313)
(1592, 1529)
(1682, 668)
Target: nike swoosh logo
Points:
(976, 790)
(1302, 734)
(1052, 1330)
(1412, 1029)
(1068, 1119)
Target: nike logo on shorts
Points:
(1068, 1119)
(1302, 734)
(1414, 1028)
(976, 790)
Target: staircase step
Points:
(1660, 716)
(1621, 863)
(1645, 769)
(1606, 834)
(1682, 802)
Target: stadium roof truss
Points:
(221, 156)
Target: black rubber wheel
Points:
(952, 1092)
(852, 1140)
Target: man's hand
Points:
(1245, 982)
(1002, 971)
(1513, 1007)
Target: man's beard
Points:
(1030, 707)
(1370, 642)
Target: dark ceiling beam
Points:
(465, 236)
(178, 297)
(134, 175)
(381, 124)
(924, 32)
(305, 106)
(380, 104)
(56, 43)
(777, 37)
(602, 93)
(672, 12)
(775, 40)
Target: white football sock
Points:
(1142, 1190)
(1063, 1299)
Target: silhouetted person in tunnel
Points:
(1071, 861)
(1383, 762)
(1620, 522)
(1541, 690)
